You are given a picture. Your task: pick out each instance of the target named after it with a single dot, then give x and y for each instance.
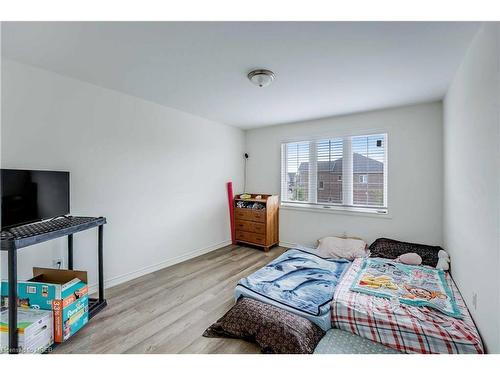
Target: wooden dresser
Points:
(258, 223)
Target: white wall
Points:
(157, 174)
(414, 175)
(472, 175)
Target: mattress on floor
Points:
(336, 341)
(298, 281)
(405, 328)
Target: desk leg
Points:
(70, 252)
(12, 269)
(100, 263)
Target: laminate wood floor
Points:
(168, 310)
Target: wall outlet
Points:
(57, 263)
(474, 300)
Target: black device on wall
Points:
(29, 196)
(245, 174)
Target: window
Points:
(348, 172)
(295, 183)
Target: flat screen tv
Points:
(29, 196)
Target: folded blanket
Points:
(412, 285)
(298, 279)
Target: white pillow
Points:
(346, 248)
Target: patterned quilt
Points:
(412, 285)
(298, 279)
(406, 328)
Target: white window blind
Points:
(345, 172)
(329, 170)
(295, 172)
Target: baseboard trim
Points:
(287, 244)
(117, 280)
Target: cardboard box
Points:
(35, 329)
(64, 292)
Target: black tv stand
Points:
(13, 239)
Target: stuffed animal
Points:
(415, 260)
(443, 261)
(410, 258)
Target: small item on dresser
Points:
(250, 205)
(257, 206)
(245, 196)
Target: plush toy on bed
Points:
(414, 259)
(431, 255)
(444, 261)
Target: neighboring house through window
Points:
(349, 172)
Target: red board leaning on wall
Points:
(230, 199)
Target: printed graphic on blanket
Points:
(412, 285)
(298, 279)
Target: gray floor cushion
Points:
(341, 342)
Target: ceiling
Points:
(322, 68)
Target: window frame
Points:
(335, 207)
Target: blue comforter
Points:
(298, 279)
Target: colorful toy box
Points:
(35, 329)
(65, 292)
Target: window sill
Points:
(368, 212)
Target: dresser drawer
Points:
(250, 215)
(255, 238)
(250, 226)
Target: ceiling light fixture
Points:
(261, 77)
